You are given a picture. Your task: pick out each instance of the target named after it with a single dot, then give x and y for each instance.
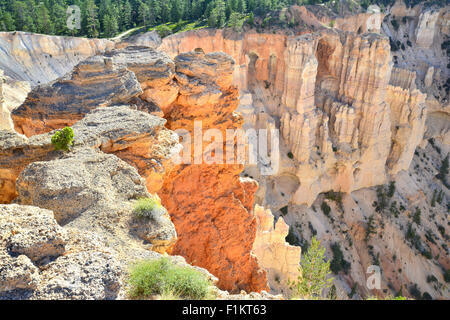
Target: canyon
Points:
(360, 106)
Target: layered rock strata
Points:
(134, 136)
(210, 205)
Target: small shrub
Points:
(415, 292)
(426, 296)
(163, 30)
(291, 238)
(395, 24)
(150, 277)
(315, 271)
(336, 197)
(443, 171)
(391, 189)
(149, 208)
(63, 139)
(370, 228)
(325, 208)
(290, 155)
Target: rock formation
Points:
(39, 58)
(327, 88)
(12, 95)
(90, 190)
(275, 255)
(352, 107)
(97, 81)
(210, 205)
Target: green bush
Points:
(163, 30)
(416, 216)
(151, 277)
(284, 210)
(63, 139)
(149, 208)
(447, 275)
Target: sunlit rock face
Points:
(280, 259)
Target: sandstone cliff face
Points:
(201, 85)
(327, 90)
(420, 43)
(39, 59)
(210, 205)
(275, 255)
(30, 237)
(83, 247)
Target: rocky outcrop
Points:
(134, 136)
(153, 69)
(97, 82)
(12, 95)
(137, 75)
(30, 236)
(275, 255)
(210, 205)
(39, 58)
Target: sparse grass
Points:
(170, 281)
(149, 208)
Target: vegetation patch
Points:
(148, 208)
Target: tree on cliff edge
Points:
(315, 271)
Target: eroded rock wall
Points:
(327, 90)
